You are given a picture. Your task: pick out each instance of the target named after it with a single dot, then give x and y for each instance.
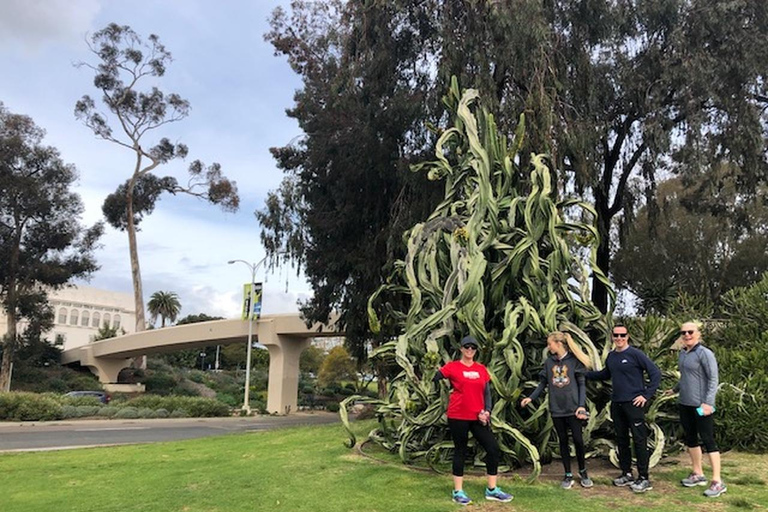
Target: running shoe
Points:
(693, 480)
(497, 495)
(641, 485)
(624, 480)
(461, 498)
(567, 482)
(586, 482)
(715, 489)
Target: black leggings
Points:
(562, 425)
(695, 426)
(460, 434)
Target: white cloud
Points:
(34, 23)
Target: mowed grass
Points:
(309, 469)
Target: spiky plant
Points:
(501, 258)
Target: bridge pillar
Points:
(106, 369)
(284, 354)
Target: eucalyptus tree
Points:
(166, 305)
(42, 242)
(124, 68)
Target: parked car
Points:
(101, 395)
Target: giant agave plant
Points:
(496, 260)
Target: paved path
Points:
(68, 434)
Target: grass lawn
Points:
(309, 469)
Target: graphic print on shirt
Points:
(471, 375)
(560, 376)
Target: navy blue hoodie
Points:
(626, 369)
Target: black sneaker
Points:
(567, 482)
(624, 480)
(641, 485)
(586, 482)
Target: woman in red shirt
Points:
(469, 411)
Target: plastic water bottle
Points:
(700, 411)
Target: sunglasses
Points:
(469, 347)
(620, 334)
(683, 333)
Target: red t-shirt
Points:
(468, 382)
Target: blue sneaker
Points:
(497, 495)
(461, 498)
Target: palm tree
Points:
(166, 305)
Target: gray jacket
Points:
(698, 376)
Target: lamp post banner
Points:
(256, 310)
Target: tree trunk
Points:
(9, 345)
(138, 295)
(599, 290)
(9, 348)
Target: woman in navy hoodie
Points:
(563, 372)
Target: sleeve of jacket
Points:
(487, 396)
(581, 382)
(709, 365)
(654, 375)
(540, 387)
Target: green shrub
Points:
(160, 383)
(146, 412)
(161, 413)
(68, 412)
(196, 376)
(108, 411)
(332, 407)
(230, 400)
(83, 411)
(22, 406)
(179, 413)
(128, 413)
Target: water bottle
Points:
(700, 411)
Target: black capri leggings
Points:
(695, 426)
(460, 434)
(562, 425)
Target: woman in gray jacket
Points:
(697, 388)
(563, 372)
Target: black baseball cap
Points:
(469, 340)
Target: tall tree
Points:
(686, 247)
(614, 92)
(42, 243)
(166, 305)
(124, 64)
(347, 196)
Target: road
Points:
(69, 434)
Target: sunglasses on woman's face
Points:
(690, 333)
(469, 347)
(619, 334)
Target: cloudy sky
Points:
(238, 91)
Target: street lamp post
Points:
(253, 267)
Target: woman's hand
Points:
(581, 413)
(484, 417)
(524, 402)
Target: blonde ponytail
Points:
(565, 338)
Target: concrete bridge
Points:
(285, 336)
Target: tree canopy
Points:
(616, 93)
(681, 245)
(167, 306)
(42, 242)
